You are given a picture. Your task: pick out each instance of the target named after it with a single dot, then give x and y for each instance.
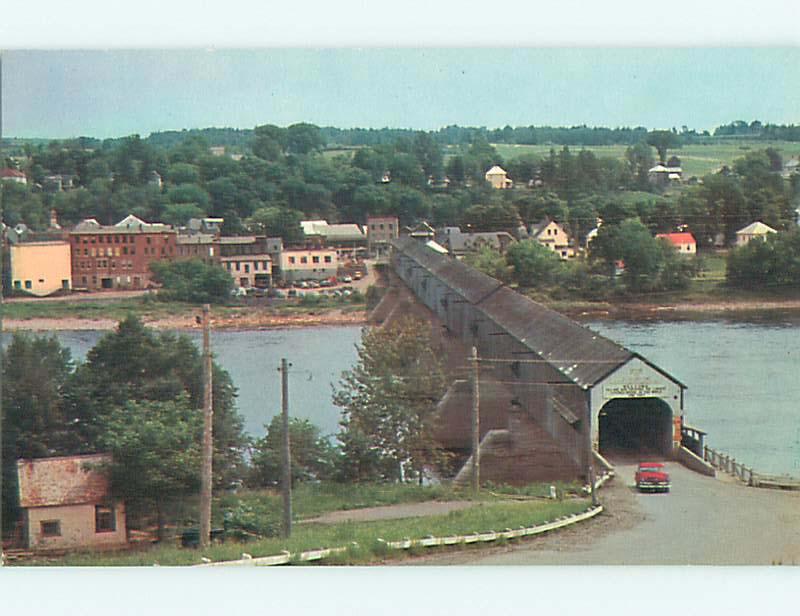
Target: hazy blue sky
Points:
(110, 93)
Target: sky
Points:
(97, 93)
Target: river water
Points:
(743, 379)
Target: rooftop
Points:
(68, 480)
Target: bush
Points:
(192, 281)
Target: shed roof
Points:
(678, 239)
(756, 228)
(69, 480)
(496, 170)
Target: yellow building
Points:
(313, 264)
(553, 236)
(41, 268)
(498, 178)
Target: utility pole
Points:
(286, 450)
(208, 440)
(590, 473)
(476, 423)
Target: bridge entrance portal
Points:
(635, 426)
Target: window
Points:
(116, 239)
(133, 250)
(85, 252)
(238, 267)
(27, 284)
(104, 519)
(246, 268)
(291, 260)
(124, 250)
(315, 259)
(328, 259)
(17, 284)
(264, 265)
(303, 259)
(50, 528)
(381, 226)
(391, 226)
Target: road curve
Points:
(702, 521)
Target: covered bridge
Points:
(568, 388)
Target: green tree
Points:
(303, 138)
(134, 363)
(388, 403)
(534, 265)
(663, 140)
(490, 262)
(312, 454)
(155, 455)
(640, 161)
(276, 221)
(270, 142)
(183, 173)
(192, 281)
(35, 370)
(502, 216)
(772, 263)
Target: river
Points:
(743, 378)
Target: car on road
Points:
(653, 477)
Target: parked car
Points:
(358, 275)
(347, 279)
(313, 284)
(652, 476)
(325, 283)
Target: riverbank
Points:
(224, 319)
(104, 313)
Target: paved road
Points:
(702, 521)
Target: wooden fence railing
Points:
(729, 465)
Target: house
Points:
(664, 175)
(40, 268)
(208, 225)
(421, 231)
(12, 175)
(217, 150)
(118, 256)
(308, 264)
(67, 504)
(459, 243)
(790, 168)
(552, 235)
(498, 178)
(755, 230)
(203, 246)
(155, 179)
(684, 243)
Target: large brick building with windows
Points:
(118, 256)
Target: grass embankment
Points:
(490, 512)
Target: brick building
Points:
(381, 230)
(118, 256)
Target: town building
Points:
(348, 239)
(251, 260)
(552, 235)
(754, 231)
(308, 264)
(12, 175)
(684, 243)
(203, 246)
(498, 178)
(459, 243)
(67, 504)
(381, 230)
(40, 268)
(119, 256)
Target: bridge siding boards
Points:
(505, 325)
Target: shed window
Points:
(51, 528)
(104, 519)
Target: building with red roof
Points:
(684, 243)
(12, 175)
(67, 503)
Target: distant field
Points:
(695, 159)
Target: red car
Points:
(652, 476)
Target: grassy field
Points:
(361, 538)
(695, 159)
